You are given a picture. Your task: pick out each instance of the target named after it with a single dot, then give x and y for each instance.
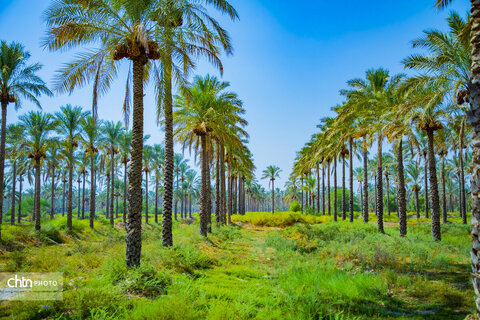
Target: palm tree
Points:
(157, 164)
(272, 172)
(112, 132)
(91, 135)
(69, 126)
(124, 146)
(413, 172)
(147, 160)
(37, 130)
(16, 144)
(18, 80)
(53, 158)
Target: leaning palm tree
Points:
(111, 135)
(272, 172)
(69, 127)
(18, 80)
(38, 127)
(91, 135)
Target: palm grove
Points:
(78, 163)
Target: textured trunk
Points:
(230, 195)
(379, 186)
(204, 188)
(2, 157)
(92, 190)
(63, 196)
(167, 239)
(37, 195)
(417, 204)
(146, 197)
(70, 197)
(350, 199)
(176, 198)
(318, 189)
(436, 231)
(156, 199)
(323, 188)
(14, 181)
(402, 198)
(79, 199)
(365, 183)
(83, 197)
(19, 216)
(444, 195)
(125, 175)
(209, 194)
(223, 185)
(218, 195)
(134, 218)
(344, 201)
(112, 187)
(388, 193)
(463, 210)
(301, 196)
(328, 189)
(107, 204)
(273, 195)
(426, 184)
(335, 188)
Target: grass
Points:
(281, 266)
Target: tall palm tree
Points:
(16, 143)
(272, 172)
(38, 127)
(158, 162)
(54, 156)
(91, 135)
(69, 127)
(18, 80)
(124, 146)
(148, 155)
(112, 133)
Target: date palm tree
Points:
(124, 146)
(111, 136)
(54, 157)
(91, 135)
(18, 80)
(158, 163)
(15, 145)
(272, 172)
(148, 155)
(38, 127)
(69, 121)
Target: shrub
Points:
(295, 206)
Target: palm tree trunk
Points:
(365, 182)
(125, 192)
(379, 195)
(462, 176)
(79, 199)
(176, 197)
(146, 197)
(335, 188)
(167, 239)
(323, 188)
(344, 201)
(436, 231)
(301, 196)
(2, 156)
(218, 201)
(318, 189)
(107, 204)
(426, 184)
(444, 195)
(402, 198)
(328, 188)
(134, 219)
(273, 195)
(19, 216)
(388, 194)
(417, 204)
(37, 195)
(63, 196)
(209, 193)
(204, 187)
(70, 196)
(92, 190)
(83, 197)
(223, 185)
(156, 199)
(112, 191)
(350, 199)
(14, 181)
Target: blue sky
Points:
(291, 59)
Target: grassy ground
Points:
(285, 266)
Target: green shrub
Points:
(295, 206)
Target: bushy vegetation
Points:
(308, 267)
(295, 206)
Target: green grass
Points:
(281, 266)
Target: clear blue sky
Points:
(291, 59)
